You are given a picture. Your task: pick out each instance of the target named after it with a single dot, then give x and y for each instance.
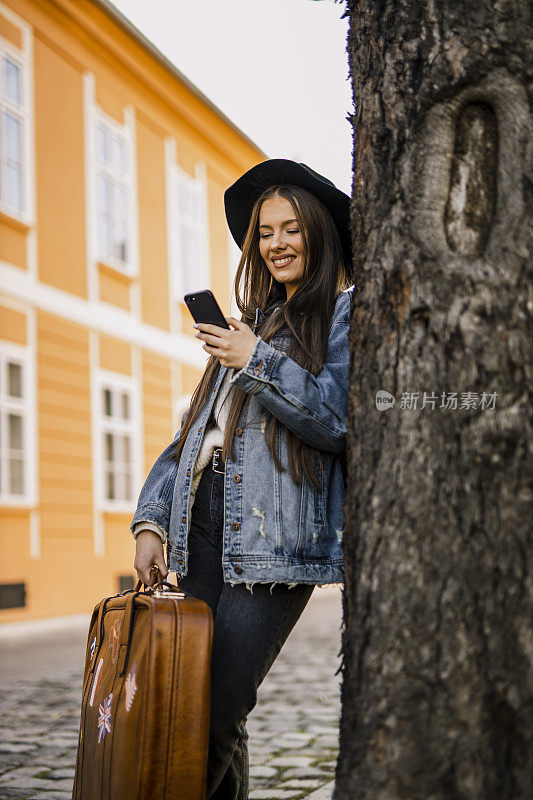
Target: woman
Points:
(249, 495)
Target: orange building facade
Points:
(113, 169)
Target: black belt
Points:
(217, 463)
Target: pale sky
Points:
(277, 68)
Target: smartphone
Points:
(204, 308)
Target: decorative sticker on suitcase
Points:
(114, 640)
(104, 717)
(131, 688)
(93, 647)
(96, 678)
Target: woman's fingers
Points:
(236, 323)
(149, 553)
(149, 576)
(231, 347)
(213, 351)
(210, 339)
(162, 570)
(213, 330)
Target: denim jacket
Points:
(275, 530)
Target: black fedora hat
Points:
(240, 197)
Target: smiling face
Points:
(281, 242)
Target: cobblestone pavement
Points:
(293, 729)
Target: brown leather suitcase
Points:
(145, 705)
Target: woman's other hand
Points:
(149, 552)
(232, 348)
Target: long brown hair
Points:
(307, 315)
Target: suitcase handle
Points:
(161, 589)
(153, 568)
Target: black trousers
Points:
(250, 629)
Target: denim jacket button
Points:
(257, 370)
(237, 569)
(238, 431)
(235, 526)
(236, 479)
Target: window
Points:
(13, 119)
(13, 429)
(113, 194)
(190, 226)
(117, 431)
(12, 595)
(126, 582)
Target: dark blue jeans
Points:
(249, 631)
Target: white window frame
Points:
(180, 282)
(24, 112)
(24, 406)
(116, 382)
(125, 134)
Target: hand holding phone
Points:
(233, 345)
(204, 308)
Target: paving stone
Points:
(13, 794)
(20, 772)
(272, 794)
(324, 793)
(299, 737)
(290, 761)
(52, 796)
(306, 772)
(63, 773)
(289, 744)
(22, 783)
(262, 772)
(7, 747)
(61, 741)
(61, 785)
(302, 783)
(327, 742)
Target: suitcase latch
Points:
(168, 595)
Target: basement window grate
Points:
(12, 595)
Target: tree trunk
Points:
(437, 648)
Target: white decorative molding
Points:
(35, 535)
(33, 466)
(137, 411)
(170, 160)
(96, 449)
(101, 317)
(90, 186)
(133, 208)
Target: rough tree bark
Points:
(438, 646)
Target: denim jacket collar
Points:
(260, 314)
